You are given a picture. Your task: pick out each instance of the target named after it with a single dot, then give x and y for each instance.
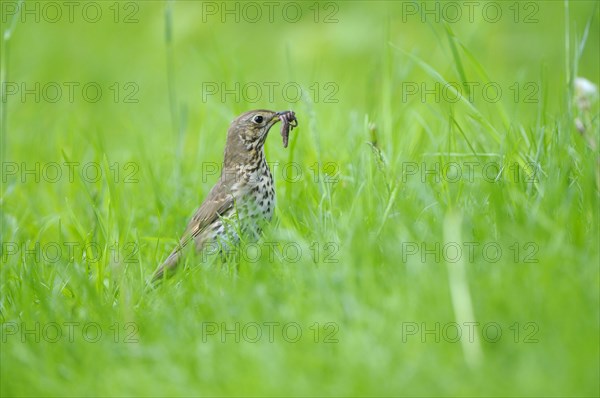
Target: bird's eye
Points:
(257, 119)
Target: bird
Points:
(243, 199)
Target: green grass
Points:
(370, 273)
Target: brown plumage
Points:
(244, 197)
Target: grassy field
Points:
(437, 221)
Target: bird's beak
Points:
(272, 122)
(275, 119)
(277, 116)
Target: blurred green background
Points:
(374, 86)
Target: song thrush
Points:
(244, 197)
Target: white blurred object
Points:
(585, 87)
(585, 93)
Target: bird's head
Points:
(247, 134)
(250, 129)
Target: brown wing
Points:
(216, 204)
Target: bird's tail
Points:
(168, 266)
